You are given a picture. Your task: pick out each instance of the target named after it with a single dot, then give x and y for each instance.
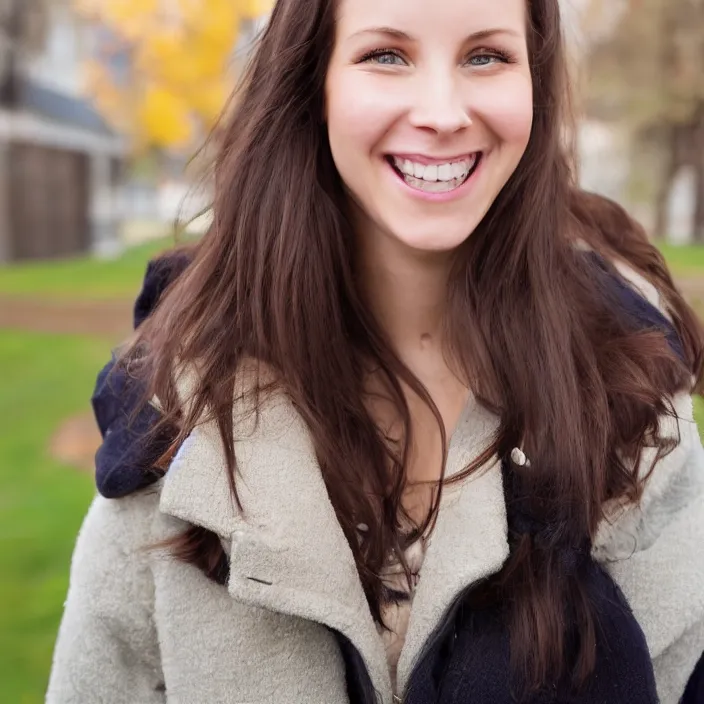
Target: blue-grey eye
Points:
(485, 59)
(384, 58)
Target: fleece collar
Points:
(288, 552)
(290, 555)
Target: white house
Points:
(60, 163)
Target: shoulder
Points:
(108, 633)
(111, 587)
(677, 477)
(119, 526)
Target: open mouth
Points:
(435, 178)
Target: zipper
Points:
(364, 692)
(446, 629)
(359, 684)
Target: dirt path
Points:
(692, 287)
(76, 440)
(111, 319)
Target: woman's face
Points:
(429, 110)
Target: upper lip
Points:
(422, 159)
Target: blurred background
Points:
(103, 104)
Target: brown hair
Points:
(533, 329)
(610, 230)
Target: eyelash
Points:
(498, 54)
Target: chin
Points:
(433, 240)
(431, 244)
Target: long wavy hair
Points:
(533, 329)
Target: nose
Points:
(439, 105)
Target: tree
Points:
(164, 68)
(647, 72)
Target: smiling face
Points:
(429, 110)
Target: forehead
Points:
(444, 19)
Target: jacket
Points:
(291, 623)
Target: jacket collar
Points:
(288, 551)
(469, 541)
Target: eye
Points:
(383, 57)
(488, 58)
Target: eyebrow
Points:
(401, 35)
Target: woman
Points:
(421, 445)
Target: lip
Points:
(456, 194)
(430, 160)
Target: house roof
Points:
(61, 107)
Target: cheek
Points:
(358, 113)
(506, 108)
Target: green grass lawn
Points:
(121, 277)
(45, 378)
(684, 260)
(84, 276)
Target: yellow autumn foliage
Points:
(178, 56)
(164, 115)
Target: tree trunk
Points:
(698, 162)
(11, 31)
(671, 164)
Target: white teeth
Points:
(433, 173)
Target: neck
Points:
(406, 291)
